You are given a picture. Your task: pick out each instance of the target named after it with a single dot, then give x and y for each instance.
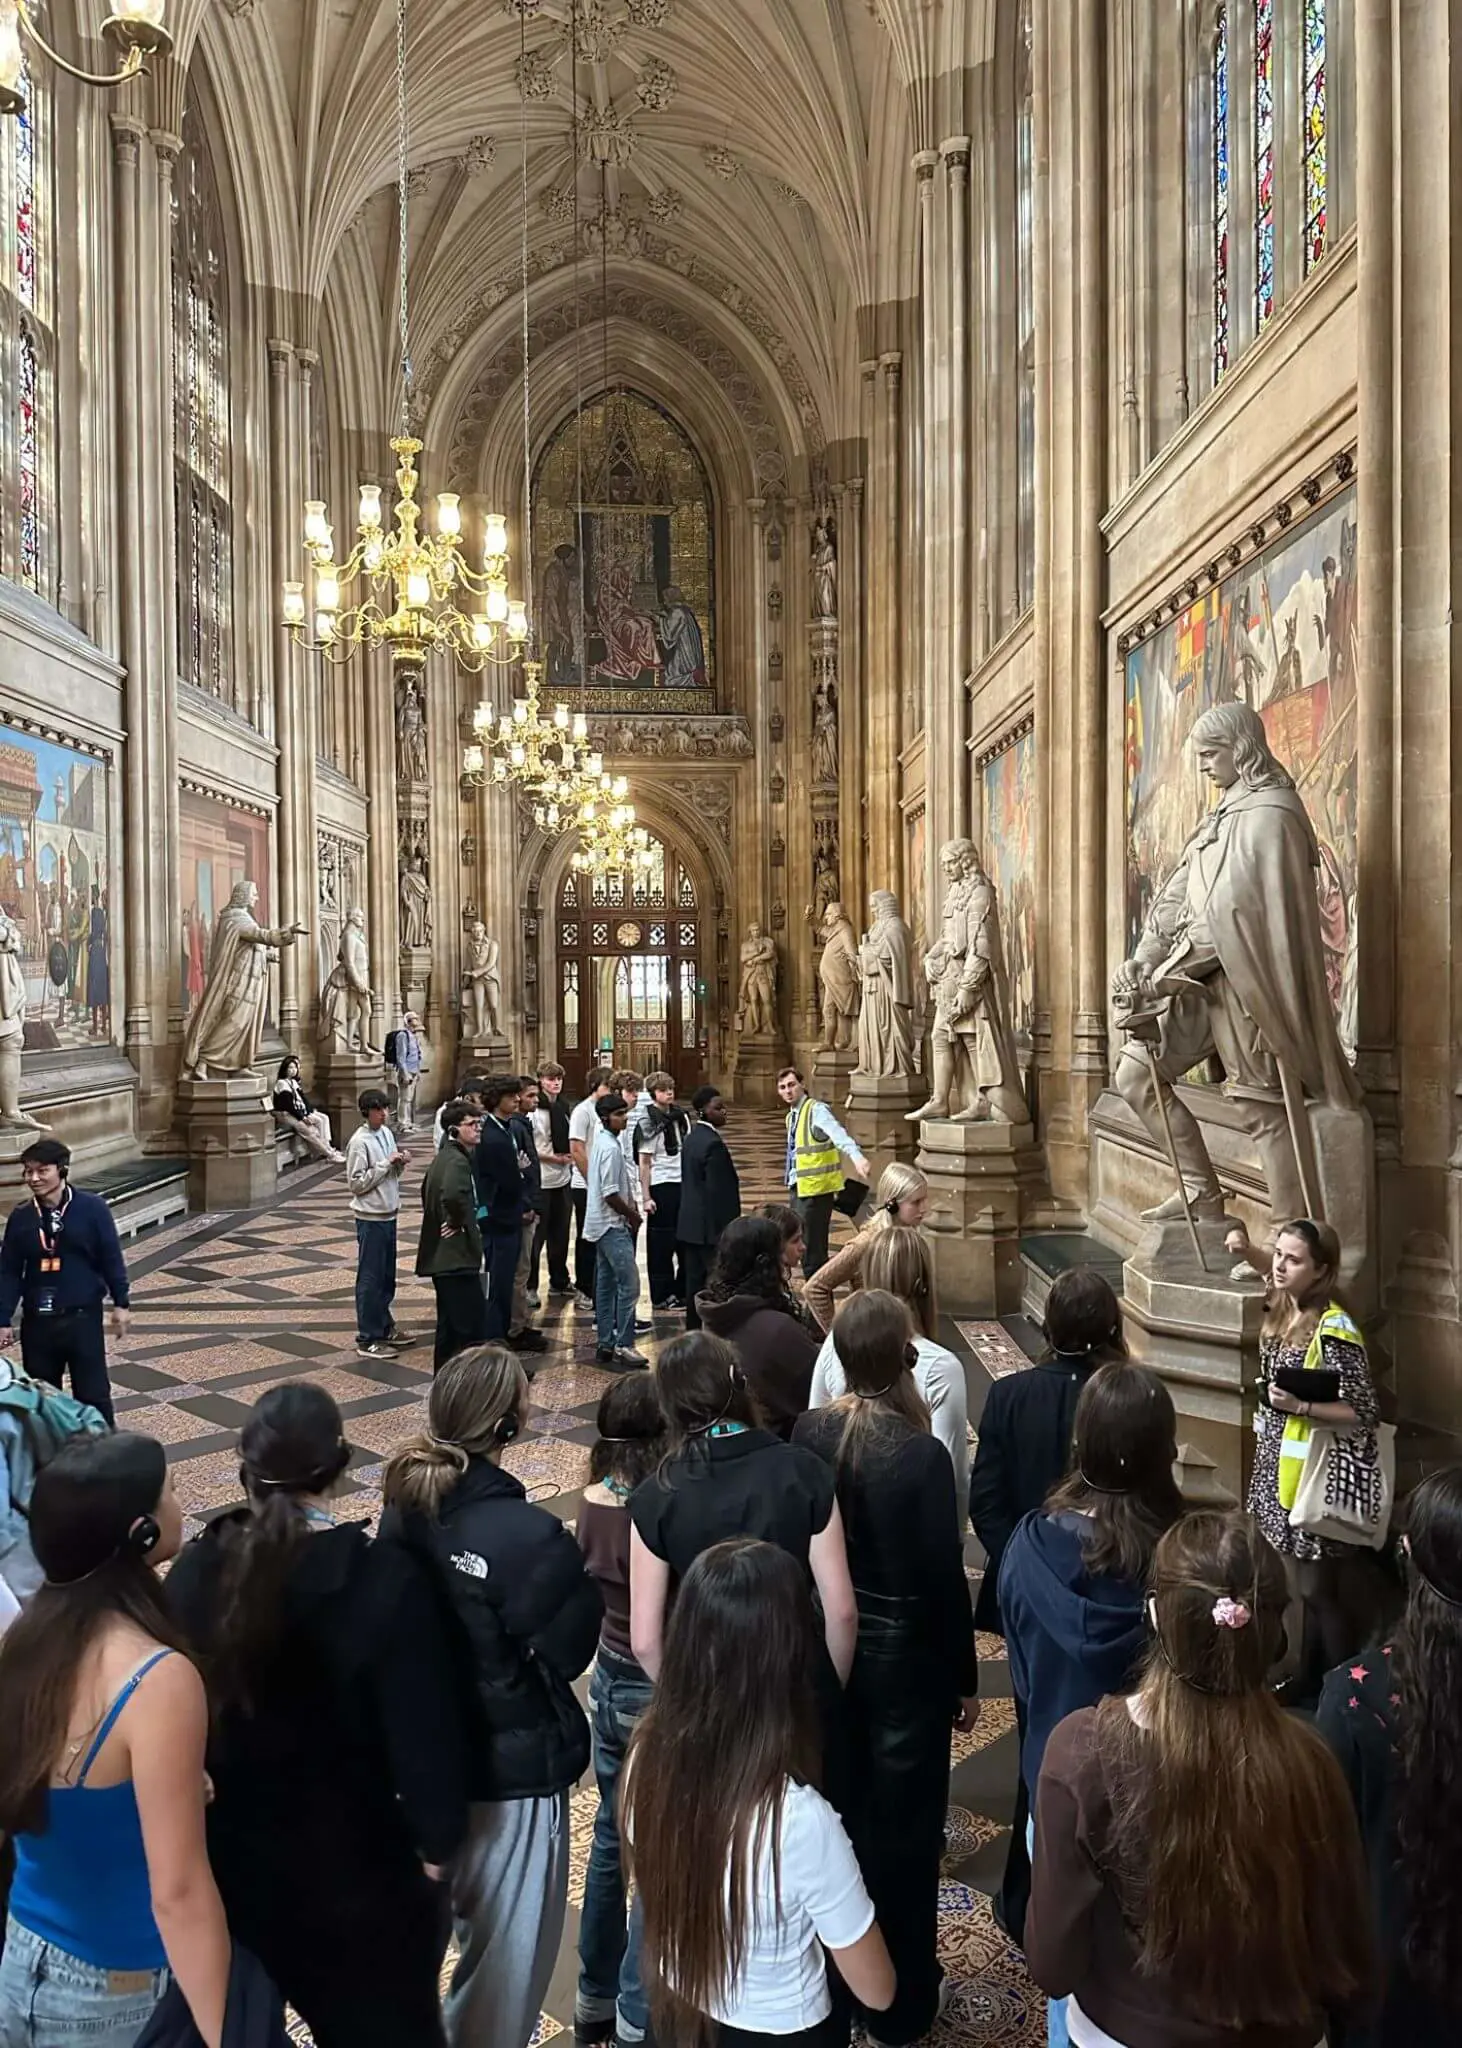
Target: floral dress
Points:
(1356, 1388)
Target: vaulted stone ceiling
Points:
(735, 161)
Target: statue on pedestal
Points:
(886, 1033)
(825, 735)
(838, 977)
(976, 1074)
(824, 571)
(345, 1000)
(481, 984)
(12, 1027)
(1231, 964)
(756, 1012)
(411, 761)
(415, 903)
(225, 1029)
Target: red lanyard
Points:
(50, 1254)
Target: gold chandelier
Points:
(134, 28)
(410, 591)
(549, 759)
(610, 842)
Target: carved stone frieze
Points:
(658, 736)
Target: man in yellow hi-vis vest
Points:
(817, 1145)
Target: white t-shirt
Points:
(782, 1987)
(583, 1123)
(664, 1166)
(940, 1378)
(553, 1175)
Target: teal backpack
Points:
(48, 1418)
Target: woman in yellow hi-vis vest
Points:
(1307, 1333)
(817, 1145)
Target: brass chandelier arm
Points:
(130, 67)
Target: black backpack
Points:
(391, 1038)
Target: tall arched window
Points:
(202, 442)
(1025, 314)
(27, 339)
(1279, 93)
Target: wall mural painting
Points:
(1280, 634)
(217, 847)
(56, 884)
(1009, 854)
(625, 561)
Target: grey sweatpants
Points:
(510, 1883)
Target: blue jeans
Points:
(616, 1290)
(1056, 2034)
(609, 1951)
(375, 1277)
(49, 1999)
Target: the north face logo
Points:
(468, 1561)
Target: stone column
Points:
(885, 665)
(932, 466)
(310, 682)
(287, 511)
(166, 149)
(381, 901)
(955, 601)
(853, 723)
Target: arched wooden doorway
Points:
(631, 989)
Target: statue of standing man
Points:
(1231, 962)
(12, 1026)
(345, 1000)
(886, 1025)
(838, 978)
(757, 1008)
(225, 1029)
(976, 1074)
(481, 984)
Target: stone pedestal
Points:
(340, 1078)
(878, 1111)
(228, 1133)
(13, 1141)
(832, 1074)
(760, 1057)
(1200, 1330)
(979, 1175)
(415, 978)
(490, 1055)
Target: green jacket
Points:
(448, 1196)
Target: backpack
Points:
(48, 1419)
(391, 1038)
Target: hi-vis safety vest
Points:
(1294, 1443)
(815, 1160)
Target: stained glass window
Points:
(202, 441)
(1220, 195)
(27, 344)
(28, 553)
(1315, 133)
(1025, 315)
(1264, 263)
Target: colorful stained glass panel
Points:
(25, 193)
(1264, 276)
(1316, 138)
(1220, 197)
(28, 459)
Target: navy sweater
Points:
(92, 1265)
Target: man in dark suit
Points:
(710, 1194)
(500, 1199)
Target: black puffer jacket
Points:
(529, 1615)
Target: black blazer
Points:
(710, 1190)
(1024, 1449)
(501, 1194)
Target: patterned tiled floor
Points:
(227, 1306)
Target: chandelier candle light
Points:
(134, 28)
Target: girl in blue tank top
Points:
(102, 1785)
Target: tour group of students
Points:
(328, 1748)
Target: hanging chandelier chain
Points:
(402, 222)
(527, 401)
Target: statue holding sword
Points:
(1231, 965)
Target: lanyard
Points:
(728, 1428)
(50, 1254)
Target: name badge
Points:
(51, 1263)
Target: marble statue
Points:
(225, 1029)
(838, 978)
(482, 986)
(12, 1027)
(757, 1001)
(886, 1022)
(825, 883)
(825, 736)
(345, 1000)
(824, 571)
(415, 903)
(411, 762)
(976, 1076)
(1231, 963)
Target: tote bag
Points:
(1344, 1497)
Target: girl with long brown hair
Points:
(901, 1197)
(1198, 1879)
(743, 1870)
(914, 1672)
(900, 1261)
(339, 1741)
(748, 1301)
(1308, 1331)
(1391, 1716)
(101, 1771)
